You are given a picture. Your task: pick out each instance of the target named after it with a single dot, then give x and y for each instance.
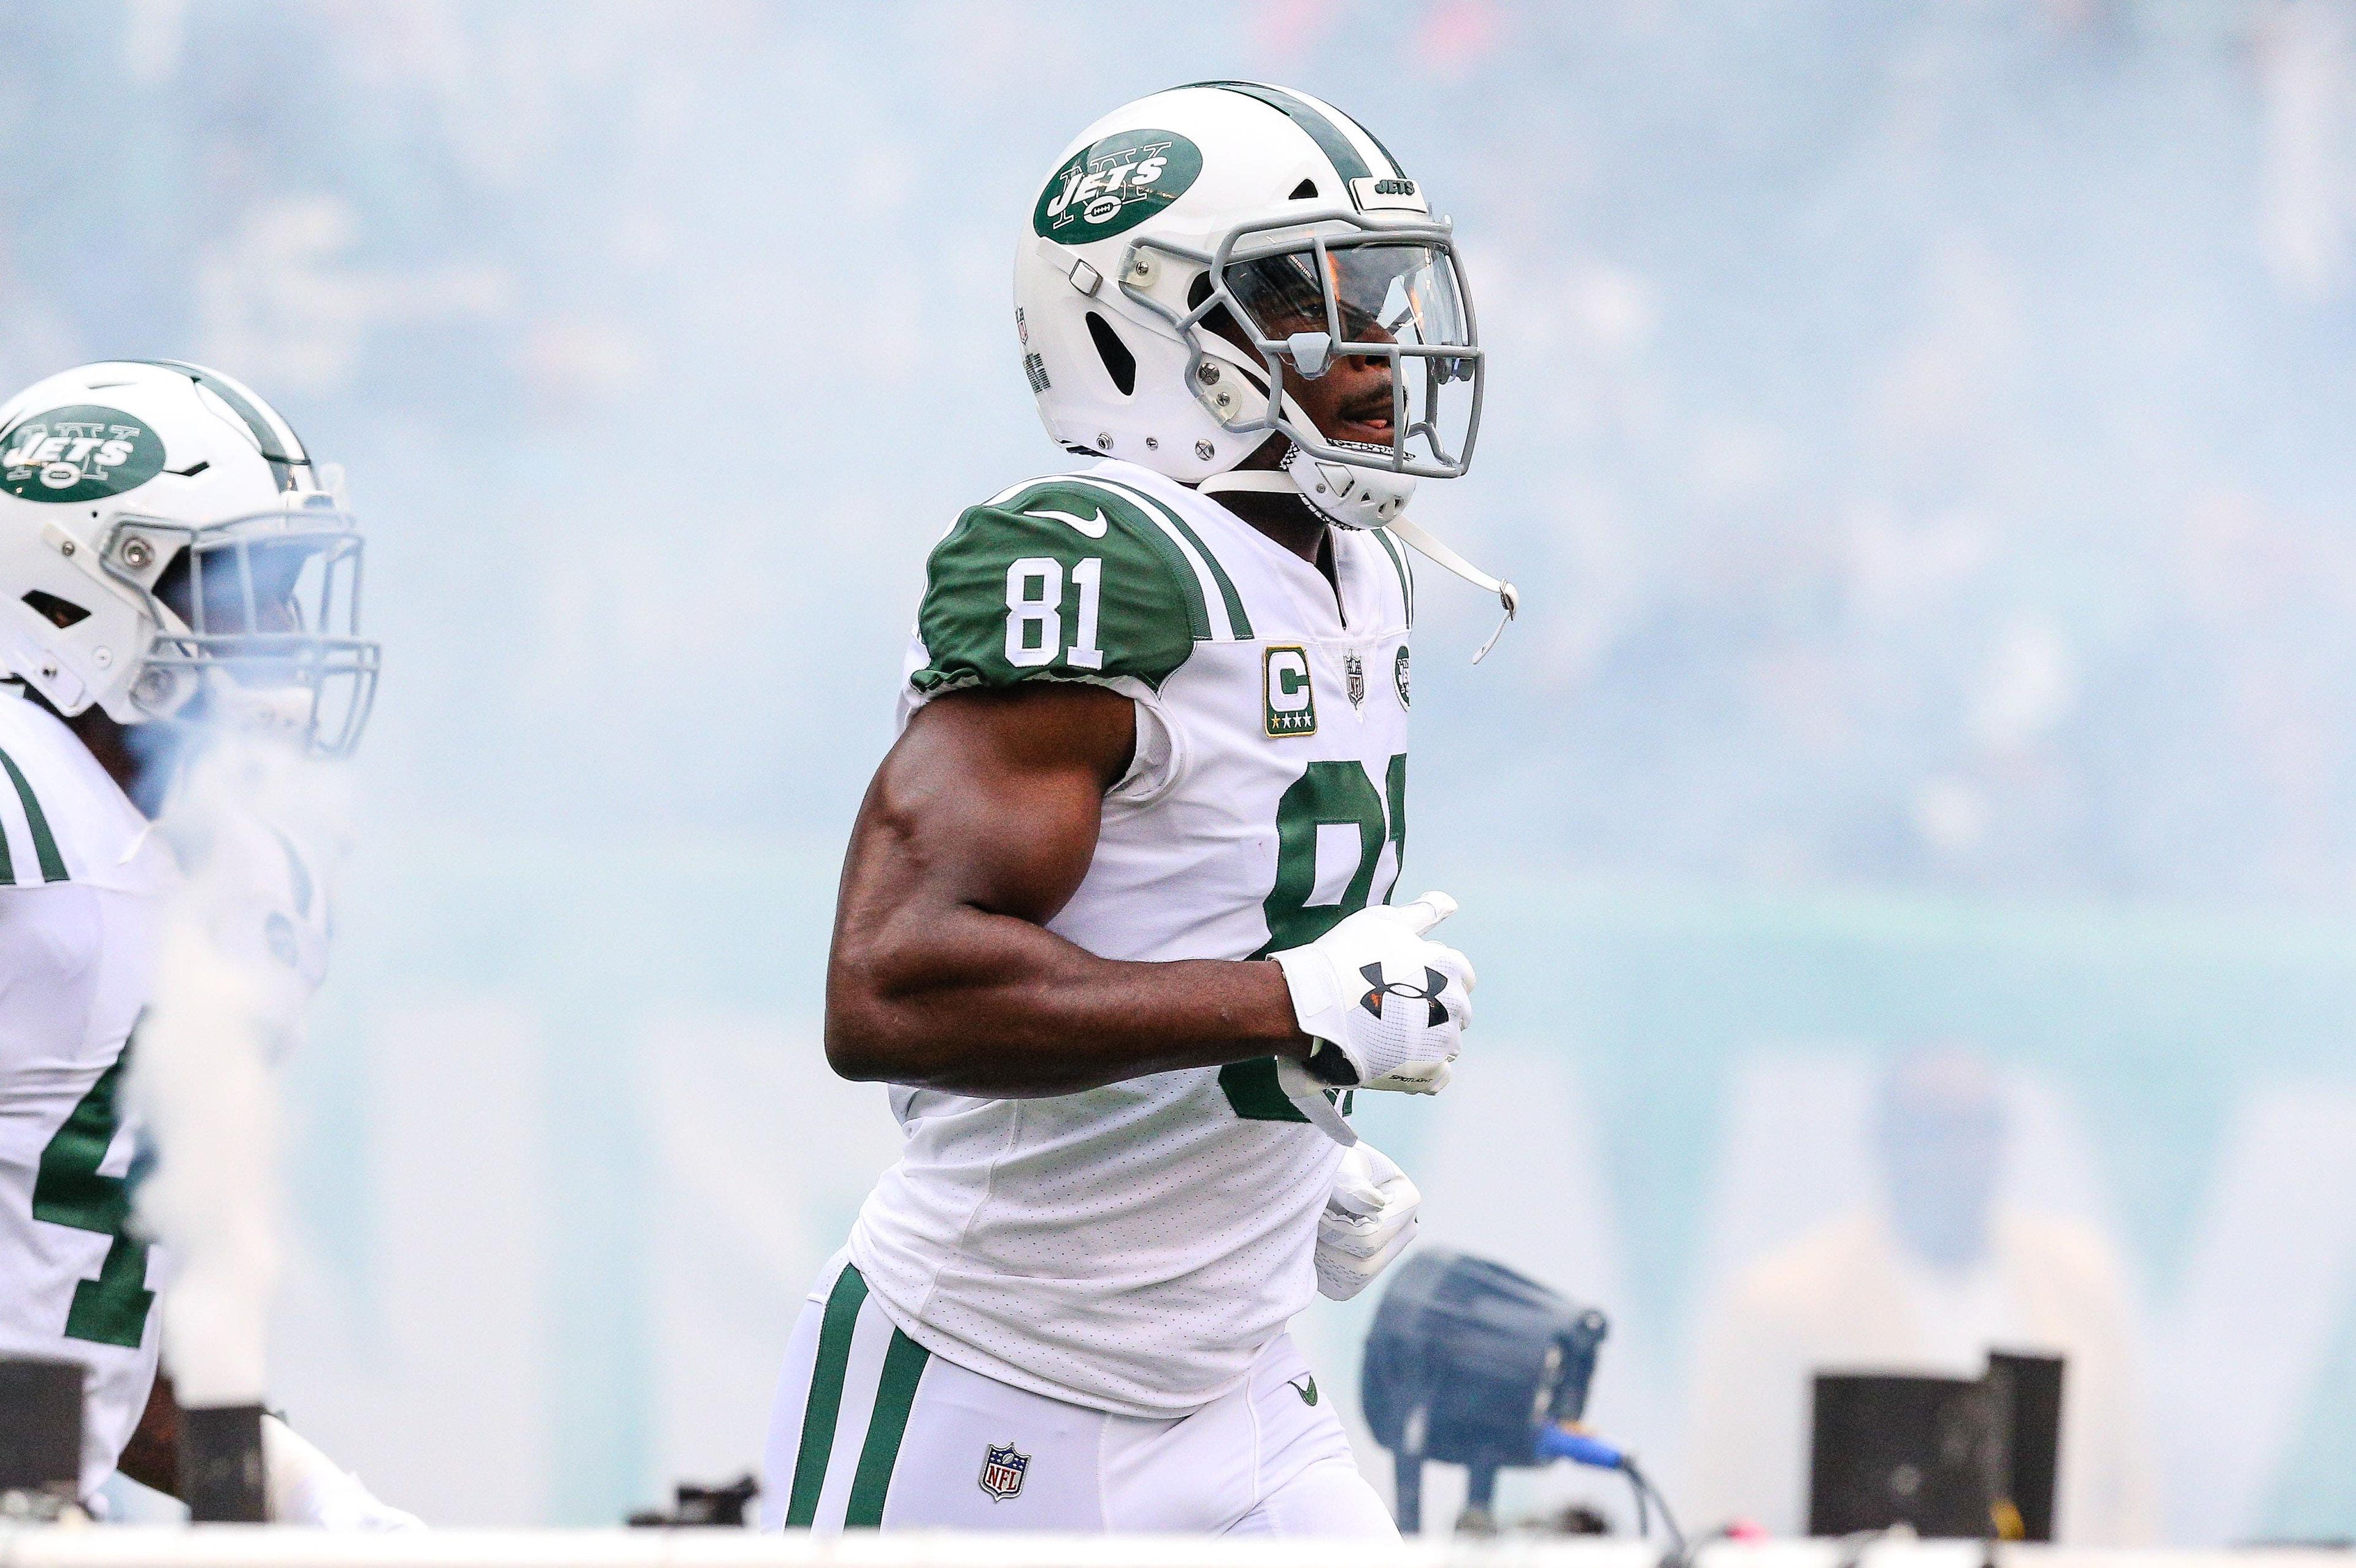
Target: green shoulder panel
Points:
(1063, 579)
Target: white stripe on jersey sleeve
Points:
(1215, 602)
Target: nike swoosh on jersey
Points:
(1093, 526)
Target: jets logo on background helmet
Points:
(1294, 220)
(79, 453)
(168, 548)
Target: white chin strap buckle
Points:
(1507, 594)
(1512, 601)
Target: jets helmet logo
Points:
(1114, 184)
(1003, 1470)
(79, 453)
(1427, 993)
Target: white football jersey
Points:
(84, 879)
(1132, 1248)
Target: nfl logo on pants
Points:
(1002, 1472)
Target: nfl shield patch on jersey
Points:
(1002, 1471)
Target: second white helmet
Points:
(167, 548)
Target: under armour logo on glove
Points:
(1339, 984)
(1434, 982)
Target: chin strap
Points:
(1271, 480)
(1440, 554)
(1260, 481)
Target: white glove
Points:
(1392, 1005)
(1369, 1219)
(308, 1487)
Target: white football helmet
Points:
(168, 550)
(1266, 210)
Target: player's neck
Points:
(1287, 519)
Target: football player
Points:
(170, 558)
(1116, 920)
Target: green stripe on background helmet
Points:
(1339, 150)
(282, 463)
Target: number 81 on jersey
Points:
(1035, 613)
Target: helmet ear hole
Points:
(1118, 362)
(1198, 291)
(59, 612)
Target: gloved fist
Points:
(1369, 1219)
(1389, 1005)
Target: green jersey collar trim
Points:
(45, 843)
(1399, 563)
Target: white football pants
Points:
(870, 1430)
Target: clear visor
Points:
(269, 604)
(1380, 332)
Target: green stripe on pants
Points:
(895, 1394)
(825, 1406)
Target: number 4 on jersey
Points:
(1328, 794)
(69, 1190)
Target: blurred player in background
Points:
(170, 558)
(1154, 737)
(1930, 1280)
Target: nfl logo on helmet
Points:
(1002, 1471)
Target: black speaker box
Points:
(1898, 1449)
(40, 1426)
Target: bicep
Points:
(991, 800)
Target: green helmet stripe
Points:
(1388, 156)
(1338, 148)
(281, 462)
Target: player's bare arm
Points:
(1125, 897)
(150, 1456)
(978, 829)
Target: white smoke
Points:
(241, 951)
